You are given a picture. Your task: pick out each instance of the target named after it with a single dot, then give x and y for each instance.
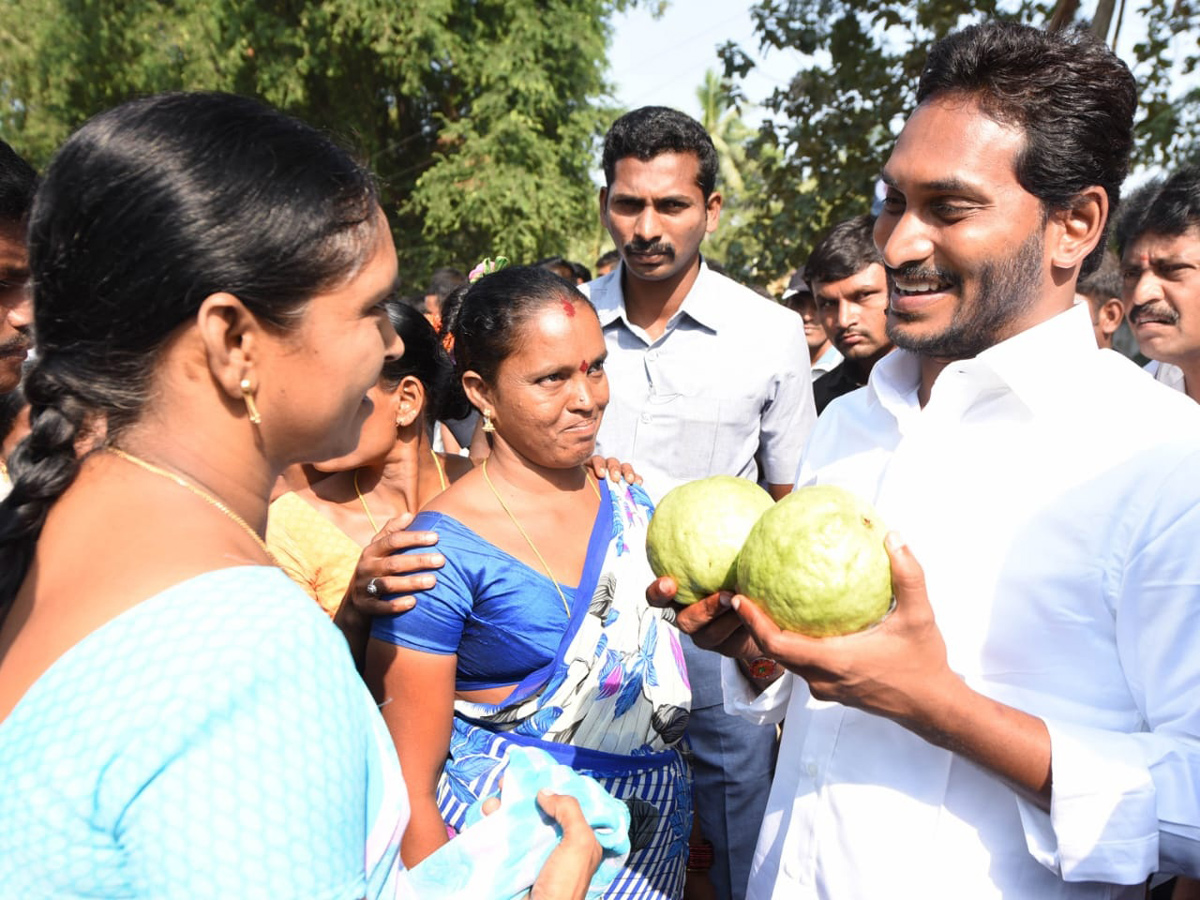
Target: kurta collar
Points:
(1031, 364)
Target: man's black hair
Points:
(444, 280)
(1167, 206)
(17, 184)
(1067, 91)
(845, 250)
(611, 258)
(1104, 284)
(652, 130)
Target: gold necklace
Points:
(204, 495)
(437, 464)
(528, 540)
(363, 500)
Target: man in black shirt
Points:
(849, 283)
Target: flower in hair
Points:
(487, 267)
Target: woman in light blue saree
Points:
(177, 718)
(537, 632)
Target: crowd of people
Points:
(293, 566)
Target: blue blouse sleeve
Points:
(437, 622)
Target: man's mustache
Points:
(914, 272)
(1153, 313)
(649, 248)
(13, 346)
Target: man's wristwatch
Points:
(763, 669)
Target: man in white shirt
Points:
(706, 378)
(1159, 240)
(1026, 722)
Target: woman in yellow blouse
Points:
(320, 535)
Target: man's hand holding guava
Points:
(711, 622)
(899, 669)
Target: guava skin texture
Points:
(698, 529)
(816, 563)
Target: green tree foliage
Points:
(738, 178)
(1168, 126)
(480, 116)
(831, 127)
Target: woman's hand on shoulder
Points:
(396, 577)
(613, 468)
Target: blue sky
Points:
(662, 61)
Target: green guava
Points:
(815, 562)
(698, 529)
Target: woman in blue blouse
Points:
(537, 632)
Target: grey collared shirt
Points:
(725, 387)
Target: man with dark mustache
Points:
(850, 286)
(706, 378)
(17, 183)
(1158, 237)
(1024, 723)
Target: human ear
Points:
(410, 400)
(1110, 315)
(233, 342)
(712, 211)
(1075, 232)
(478, 392)
(604, 206)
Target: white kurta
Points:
(1052, 493)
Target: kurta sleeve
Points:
(767, 708)
(1125, 805)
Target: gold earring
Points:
(487, 426)
(248, 398)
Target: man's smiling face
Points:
(962, 240)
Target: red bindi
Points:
(583, 366)
(568, 307)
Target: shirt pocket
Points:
(708, 435)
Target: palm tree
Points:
(725, 126)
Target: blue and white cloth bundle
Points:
(498, 857)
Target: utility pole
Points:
(1103, 18)
(1063, 15)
